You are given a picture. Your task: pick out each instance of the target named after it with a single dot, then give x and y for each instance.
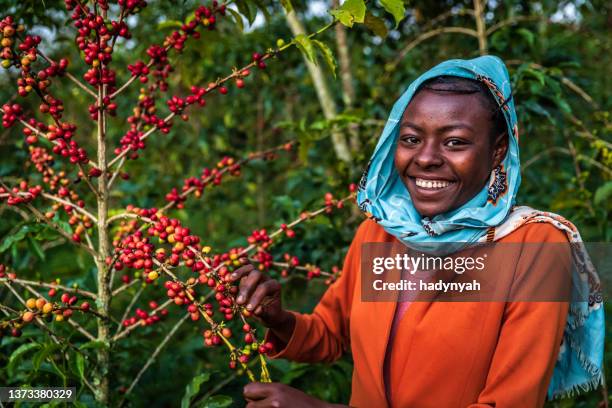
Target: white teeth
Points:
(433, 184)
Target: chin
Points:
(430, 211)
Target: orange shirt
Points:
(445, 355)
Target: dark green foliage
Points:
(560, 79)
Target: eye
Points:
(410, 140)
(454, 142)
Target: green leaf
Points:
(540, 110)
(94, 344)
(563, 105)
(43, 354)
(16, 237)
(169, 24)
(376, 25)
(327, 55)
(303, 149)
(603, 194)
(36, 248)
(287, 5)
(79, 363)
(237, 18)
(18, 354)
(218, 401)
(305, 46)
(536, 74)
(262, 7)
(351, 11)
(343, 16)
(193, 388)
(396, 8)
(357, 8)
(245, 8)
(527, 35)
(63, 224)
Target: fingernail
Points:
(249, 307)
(234, 275)
(240, 299)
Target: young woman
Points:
(445, 170)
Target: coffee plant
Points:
(68, 189)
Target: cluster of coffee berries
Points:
(197, 96)
(178, 294)
(290, 233)
(330, 203)
(259, 60)
(263, 258)
(24, 54)
(62, 134)
(42, 308)
(20, 194)
(159, 64)
(145, 318)
(31, 136)
(8, 29)
(208, 177)
(133, 6)
(129, 226)
(243, 354)
(133, 141)
(80, 223)
(11, 113)
(176, 104)
(260, 238)
(97, 76)
(4, 273)
(95, 39)
(107, 105)
(141, 70)
(159, 67)
(135, 252)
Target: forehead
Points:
(427, 105)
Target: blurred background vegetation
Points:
(558, 54)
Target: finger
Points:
(257, 391)
(263, 290)
(240, 272)
(247, 286)
(265, 403)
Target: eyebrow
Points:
(441, 129)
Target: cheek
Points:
(471, 167)
(402, 156)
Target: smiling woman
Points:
(451, 137)
(445, 172)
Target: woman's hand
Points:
(276, 395)
(262, 296)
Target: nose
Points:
(428, 155)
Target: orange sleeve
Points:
(323, 336)
(530, 335)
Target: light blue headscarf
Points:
(383, 194)
(384, 198)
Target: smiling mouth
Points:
(432, 184)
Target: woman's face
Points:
(445, 152)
